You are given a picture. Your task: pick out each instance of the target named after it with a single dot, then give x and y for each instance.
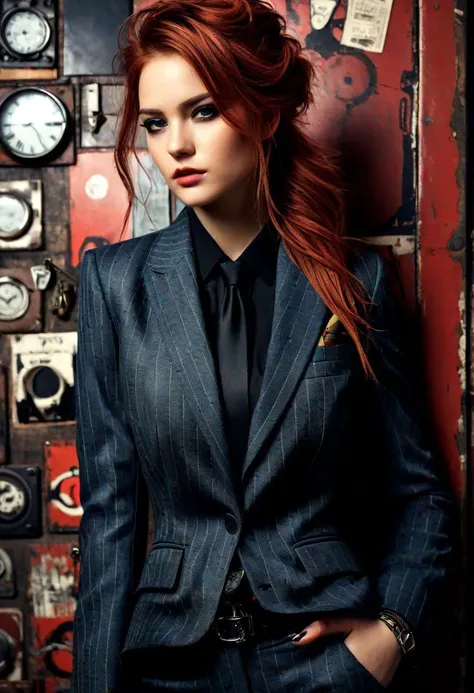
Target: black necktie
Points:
(232, 357)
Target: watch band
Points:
(399, 628)
(396, 616)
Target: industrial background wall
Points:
(397, 110)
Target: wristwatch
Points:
(399, 628)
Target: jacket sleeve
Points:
(113, 528)
(416, 493)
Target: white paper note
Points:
(366, 24)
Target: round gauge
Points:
(25, 32)
(13, 500)
(7, 654)
(15, 216)
(14, 299)
(34, 124)
(6, 567)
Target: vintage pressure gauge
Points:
(25, 32)
(20, 503)
(14, 299)
(13, 500)
(35, 125)
(15, 215)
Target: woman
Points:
(292, 488)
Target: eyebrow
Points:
(186, 104)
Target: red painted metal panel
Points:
(441, 281)
(98, 202)
(62, 478)
(364, 105)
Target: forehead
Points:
(167, 80)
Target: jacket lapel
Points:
(298, 321)
(299, 317)
(171, 279)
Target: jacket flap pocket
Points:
(327, 557)
(337, 359)
(161, 568)
(334, 367)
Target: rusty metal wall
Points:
(398, 117)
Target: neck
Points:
(233, 224)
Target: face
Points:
(185, 129)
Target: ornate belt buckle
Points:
(235, 628)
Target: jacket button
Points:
(230, 523)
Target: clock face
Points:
(25, 32)
(15, 216)
(14, 299)
(33, 123)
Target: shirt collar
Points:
(261, 254)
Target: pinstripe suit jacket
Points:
(149, 424)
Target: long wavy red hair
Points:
(243, 55)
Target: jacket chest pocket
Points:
(335, 360)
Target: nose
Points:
(179, 140)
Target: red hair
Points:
(243, 55)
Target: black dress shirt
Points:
(258, 292)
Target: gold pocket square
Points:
(333, 333)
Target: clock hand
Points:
(30, 125)
(38, 135)
(27, 125)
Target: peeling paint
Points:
(462, 342)
(402, 245)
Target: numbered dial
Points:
(34, 124)
(14, 299)
(25, 32)
(15, 216)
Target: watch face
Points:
(15, 216)
(14, 299)
(33, 123)
(25, 31)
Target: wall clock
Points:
(25, 32)
(35, 125)
(28, 36)
(14, 299)
(15, 216)
(21, 216)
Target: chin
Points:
(192, 197)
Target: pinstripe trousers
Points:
(273, 664)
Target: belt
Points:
(239, 617)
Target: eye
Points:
(153, 125)
(211, 107)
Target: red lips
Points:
(186, 171)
